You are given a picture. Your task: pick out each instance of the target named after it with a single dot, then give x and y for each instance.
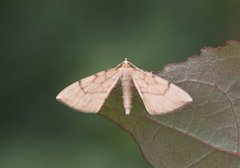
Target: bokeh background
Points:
(48, 44)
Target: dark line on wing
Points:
(168, 87)
(80, 85)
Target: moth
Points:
(159, 96)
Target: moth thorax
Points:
(127, 87)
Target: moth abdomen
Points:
(127, 90)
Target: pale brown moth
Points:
(89, 94)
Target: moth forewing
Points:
(89, 94)
(158, 95)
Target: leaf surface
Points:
(203, 134)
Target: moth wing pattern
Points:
(158, 95)
(89, 94)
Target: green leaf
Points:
(203, 134)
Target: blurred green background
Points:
(46, 45)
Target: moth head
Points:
(125, 63)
